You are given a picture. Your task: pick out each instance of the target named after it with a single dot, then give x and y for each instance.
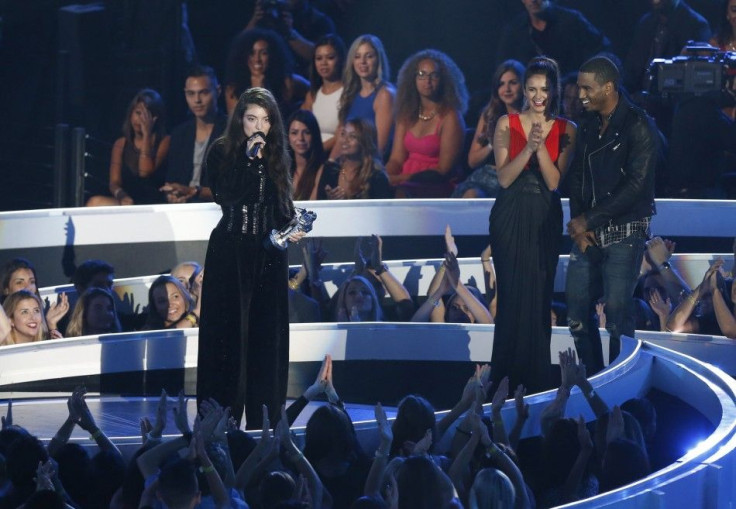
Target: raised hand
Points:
(499, 397)
(522, 409)
(358, 257)
(600, 310)
(384, 429)
(536, 137)
(160, 422)
(320, 384)
(450, 246)
(452, 270)
(584, 435)
(375, 258)
(615, 427)
(84, 416)
(7, 419)
(568, 368)
(181, 419)
(661, 306)
(423, 446)
(657, 251)
(57, 311)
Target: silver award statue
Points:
(301, 222)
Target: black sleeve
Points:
(640, 164)
(379, 186)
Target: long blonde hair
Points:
(78, 322)
(11, 303)
(351, 81)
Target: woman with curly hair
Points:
(244, 329)
(260, 58)
(429, 126)
(366, 92)
(506, 98)
(358, 172)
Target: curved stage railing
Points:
(434, 358)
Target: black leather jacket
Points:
(612, 179)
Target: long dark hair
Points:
(237, 73)
(334, 40)
(547, 67)
(275, 152)
(9, 269)
(370, 160)
(316, 153)
(155, 321)
(153, 103)
(496, 108)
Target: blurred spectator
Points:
(506, 97)
(724, 36)
(428, 140)
(553, 31)
(185, 181)
(169, 305)
(297, 21)
(137, 163)
(661, 33)
(259, 58)
(358, 172)
(702, 148)
(94, 314)
(325, 76)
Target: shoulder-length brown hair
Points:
(78, 321)
(370, 160)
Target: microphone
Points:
(252, 152)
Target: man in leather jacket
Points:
(611, 186)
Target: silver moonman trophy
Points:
(301, 222)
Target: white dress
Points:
(325, 109)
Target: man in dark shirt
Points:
(186, 180)
(661, 33)
(548, 29)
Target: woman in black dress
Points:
(533, 150)
(244, 330)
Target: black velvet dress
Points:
(244, 327)
(526, 233)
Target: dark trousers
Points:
(613, 278)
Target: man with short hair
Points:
(611, 185)
(185, 179)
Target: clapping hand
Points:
(422, 447)
(359, 258)
(584, 435)
(7, 419)
(658, 251)
(79, 410)
(180, 414)
(376, 247)
(499, 397)
(314, 254)
(600, 311)
(536, 137)
(615, 427)
(522, 409)
(450, 246)
(57, 311)
(452, 270)
(384, 429)
(661, 306)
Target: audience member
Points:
(703, 129)
(259, 58)
(307, 154)
(18, 274)
(187, 273)
(367, 93)
(94, 314)
(661, 33)
(506, 97)
(358, 172)
(325, 76)
(724, 37)
(546, 29)
(169, 305)
(428, 140)
(185, 181)
(137, 163)
(23, 320)
(297, 21)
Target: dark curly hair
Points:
(237, 73)
(452, 89)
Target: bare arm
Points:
(398, 155)
(509, 169)
(5, 327)
(552, 173)
(481, 147)
(116, 168)
(724, 316)
(383, 107)
(451, 142)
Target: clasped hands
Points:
(578, 230)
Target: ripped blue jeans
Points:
(613, 278)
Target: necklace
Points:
(426, 118)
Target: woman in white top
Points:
(323, 98)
